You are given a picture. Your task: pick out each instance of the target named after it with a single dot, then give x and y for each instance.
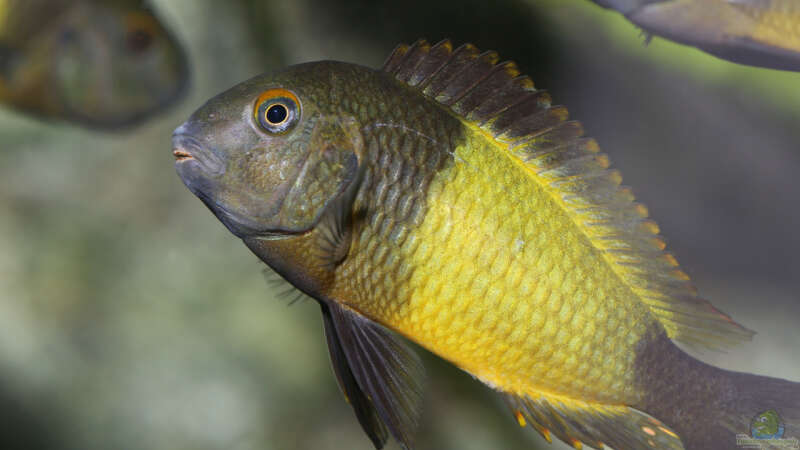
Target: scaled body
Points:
(100, 63)
(509, 290)
(446, 199)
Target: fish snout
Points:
(187, 149)
(182, 147)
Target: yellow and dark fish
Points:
(101, 63)
(444, 198)
(764, 33)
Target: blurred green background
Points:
(131, 319)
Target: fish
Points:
(445, 200)
(761, 33)
(103, 64)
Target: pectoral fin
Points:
(336, 224)
(379, 375)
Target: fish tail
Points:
(708, 407)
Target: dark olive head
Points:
(268, 155)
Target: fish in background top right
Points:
(761, 33)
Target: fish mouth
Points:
(181, 155)
(188, 149)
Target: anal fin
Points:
(581, 423)
(380, 376)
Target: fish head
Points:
(269, 155)
(114, 64)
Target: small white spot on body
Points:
(518, 244)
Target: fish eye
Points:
(140, 31)
(276, 110)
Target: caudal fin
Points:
(710, 408)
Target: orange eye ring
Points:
(276, 110)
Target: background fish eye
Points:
(141, 29)
(138, 40)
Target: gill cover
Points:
(334, 155)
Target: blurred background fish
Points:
(763, 33)
(102, 63)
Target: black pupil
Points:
(277, 114)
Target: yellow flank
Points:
(501, 281)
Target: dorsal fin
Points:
(504, 105)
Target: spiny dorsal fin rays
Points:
(499, 101)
